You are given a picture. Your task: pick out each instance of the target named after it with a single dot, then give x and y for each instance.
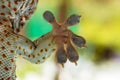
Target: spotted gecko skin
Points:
(18, 11)
(12, 45)
(13, 16)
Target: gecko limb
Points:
(64, 38)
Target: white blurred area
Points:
(85, 70)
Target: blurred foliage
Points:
(100, 21)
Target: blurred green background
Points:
(99, 25)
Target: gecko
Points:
(64, 38)
(13, 16)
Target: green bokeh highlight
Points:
(37, 26)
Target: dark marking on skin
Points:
(0, 62)
(46, 49)
(41, 50)
(44, 57)
(3, 48)
(12, 51)
(6, 69)
(4, 56)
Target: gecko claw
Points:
(84, 46)
(76, 63)
(62, 65)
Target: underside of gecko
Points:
(65, 39)
(13, 16)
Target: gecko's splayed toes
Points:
(65, 39)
